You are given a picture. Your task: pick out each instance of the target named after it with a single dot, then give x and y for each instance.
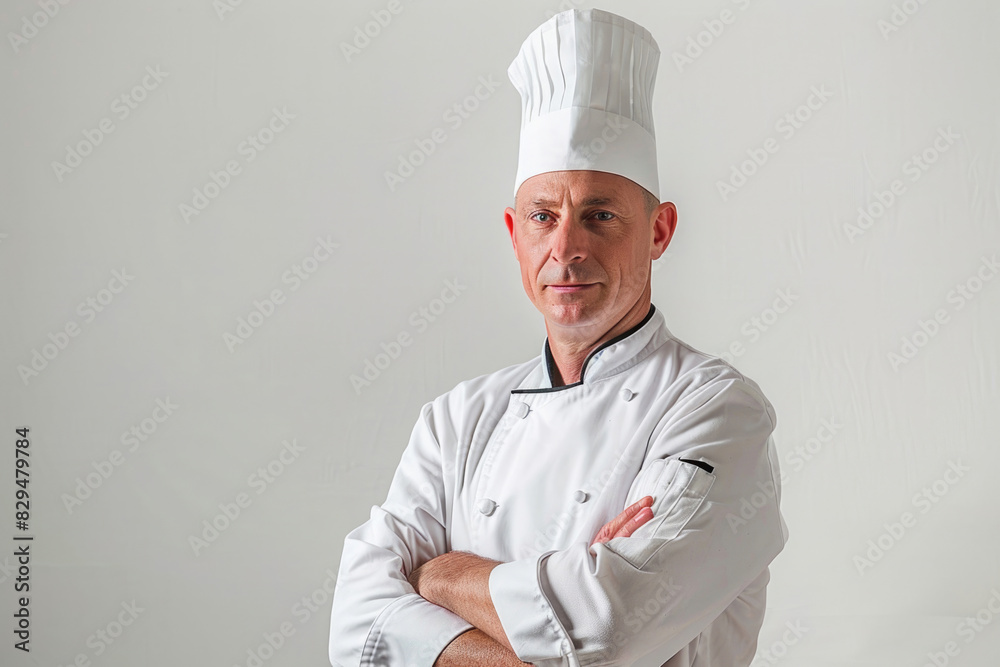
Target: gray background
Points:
(897, 427)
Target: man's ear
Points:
(508, 216)
(663, 228)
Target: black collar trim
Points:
(550, 362)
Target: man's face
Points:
(585, 241)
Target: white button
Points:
(580, 496)
(521, 410)
(487, 506)
(627, 393)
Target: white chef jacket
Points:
(511, 468)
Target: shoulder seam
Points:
(757, 393)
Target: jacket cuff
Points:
(411, 632)
(532, 629)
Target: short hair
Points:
(651, 201)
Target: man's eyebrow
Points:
(592, 201)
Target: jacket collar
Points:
(610, 357)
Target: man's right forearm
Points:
(475, 648)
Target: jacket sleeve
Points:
(716, 526)
(377, 617)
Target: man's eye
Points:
(539, 217)
(610, 216)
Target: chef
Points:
(613, 501)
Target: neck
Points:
(571, 345)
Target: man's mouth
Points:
(571, 287)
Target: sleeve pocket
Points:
(678, 489)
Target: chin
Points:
(570, 314)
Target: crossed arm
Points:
(692, 559)
(459, 582)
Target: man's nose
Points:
(569, 241)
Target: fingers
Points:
(645, 501)
(641, 517)
(612, 528)
(631, 510)
(615, 524)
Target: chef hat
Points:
(586, 81)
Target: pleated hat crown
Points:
(586, 81)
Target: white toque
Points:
(586, 80)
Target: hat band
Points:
(581, 138)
